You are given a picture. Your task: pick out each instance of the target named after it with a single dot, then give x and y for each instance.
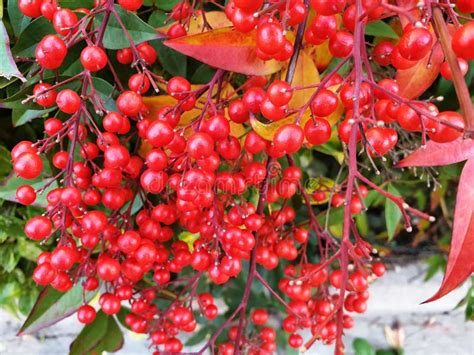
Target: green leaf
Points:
(203, 74)
(392, 213)
(8, 68)
(5, 163)
(76, 4)
(90, 336)
(31, 36)
(9, 186)
(166, 5)
(9, 257)
(10, 227)
(53, 306)
(158, 19)
(436, 263)
(114, 37)
(201, 335)
(21, 116)
(28, 249)
(27, 300)
(332, 148)
(173, 62)
(103, 334)
(362, 347)
(113, 340)
(18, 21)
(380, 29)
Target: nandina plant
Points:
(163, 192)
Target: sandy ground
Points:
(430, 329)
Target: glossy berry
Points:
(30, 8)
(463, 41)
(130, 5)
(415, 43)
(38, 228)
(68, 101)
(93, 58)
(86, 314)
(270, 38)
(446, 70)
(317, 131)
(44, 95)
(28, 165)
(25, 194)
(50, 52)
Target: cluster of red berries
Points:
(199, 177)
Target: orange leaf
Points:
(439, 154)
(321, 55)
(460, 260)
(225, 48)
(414, 81)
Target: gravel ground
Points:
(431, 329)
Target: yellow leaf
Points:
(320, 184)
(336, 115)
(306, 74)
(267, 130)
(216, 19)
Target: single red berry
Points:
(93, 58)
(415, 43)
(317, 131)
(270, 38)
(131, 5)
(129, 103)
(64, 20)
(44, 95)
(86, 314)
(68, 101)
(26, 194)
(28, 165)
(38, 228)
(50, 52)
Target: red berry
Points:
(86, 314)
(68, 101)
(50, 52)
(131, 5)
(415, 43)
(463, 41)
(38, 228)
(129, 103)
(93, 58)
(317, 131)
(28, 165)
(270, 38)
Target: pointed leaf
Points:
(268, 130)
(460, 260)
(380, 29)
(114, 37)
(225, 48)
(53, 306)
(439, 154)
(306, 74)
(90, 336)
(8, 68)
(392, 213)
(416, 80)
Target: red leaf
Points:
(416, 80)
(461, 260)
(225, 48)
(437, 154)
